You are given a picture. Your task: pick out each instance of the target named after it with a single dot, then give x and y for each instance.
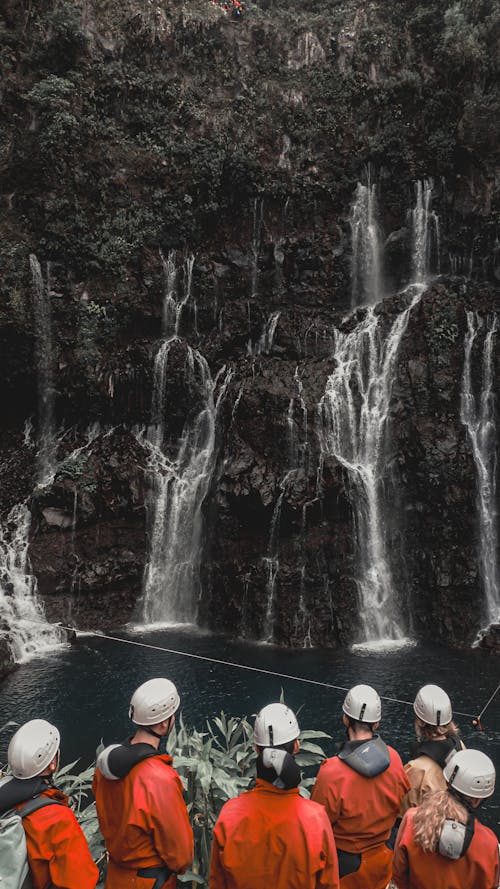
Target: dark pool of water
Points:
(85, 689)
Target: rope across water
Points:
(212, 660)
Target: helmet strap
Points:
(151, 731)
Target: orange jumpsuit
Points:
(145, 823)
(415, 869)
(269, 838)
(58, 854)
(362, 812)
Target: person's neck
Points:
(359, 735)
(143, 737)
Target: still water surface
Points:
(85, 689)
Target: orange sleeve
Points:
(400, 868)
(169, 823)
(327, 793)
(328, 876)
(217, 875)
(70, 863)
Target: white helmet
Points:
(33, 748)
(362, 703)
(275, 724)
(154, 701)
(471, 773)
(433, 706)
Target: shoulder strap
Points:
(39, 802)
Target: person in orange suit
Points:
(57, 851)
(441, 843)
(270, 836)
(139, 798)
(361, 789)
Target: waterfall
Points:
(271, 561)
(353, 415)
(366, 248)
(22, 621)
(180, 484)
(258, 214)
(45, 371)
(172, 304)
(478, 416)
(265, 343)
(425, 233)
(354, 411)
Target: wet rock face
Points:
(249, 160)
(88, 533)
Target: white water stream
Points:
(367, 255)
(22, 619)
(353, 414)
(44, 359)
(478, 416)
(172, 574)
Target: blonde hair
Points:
(430, 816)
(428, 732)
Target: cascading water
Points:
(298, 454)
(22, 620)
(478, 416)
(366, 248)
(425, 233)
(180, 484)
(45, 371)
(354, 411)
(265, 342)
(353, 416)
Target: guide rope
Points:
(212, 660)
(489, 702)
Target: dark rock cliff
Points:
(130, 129)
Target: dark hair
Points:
(359, 726)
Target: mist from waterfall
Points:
(354, 411)
(479, 417)
(366, 267)
(171, 587)
(44, 360)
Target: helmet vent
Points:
(362, 712)
(271, 736)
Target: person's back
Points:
(139, 798)
(270, 836)
(414, 868)
(437, 740)
(362, 808)
(143, 816)
(362, 788)
(441, 843)
(57, 851)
